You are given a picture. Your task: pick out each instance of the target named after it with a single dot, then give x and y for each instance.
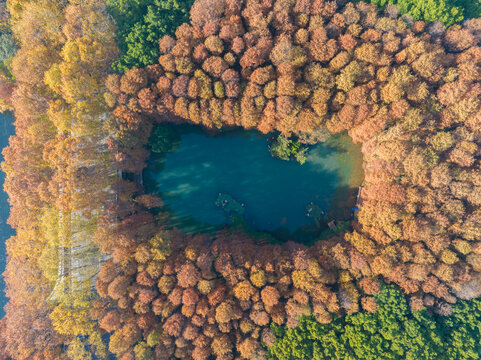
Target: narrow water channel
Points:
(6, 130)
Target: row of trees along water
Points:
(59, 173)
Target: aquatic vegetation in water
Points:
(229, 205)
(286, 149)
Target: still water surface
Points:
(275, 193)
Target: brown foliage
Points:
(173, 325)
(214, 66)
(133, 80)
(248, 348)
(369, 304)
(270, 296)
(409, 97)
(188, 276)
(190, 297)
(457, 39)
(118, 287)
(111, 321)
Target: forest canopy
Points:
(141, 23)
(392, 332)
(407, 90)
(446, 11)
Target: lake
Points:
(275, 194)
(6, 130)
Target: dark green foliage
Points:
(446, 11)
(164, 139)
(393, 332)
(141, 23)
(229, 204)
(342, 226)
(7, 47)
(472, 8)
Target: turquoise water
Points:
(275, 193)
(6, 130)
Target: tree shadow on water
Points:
(170, 219)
